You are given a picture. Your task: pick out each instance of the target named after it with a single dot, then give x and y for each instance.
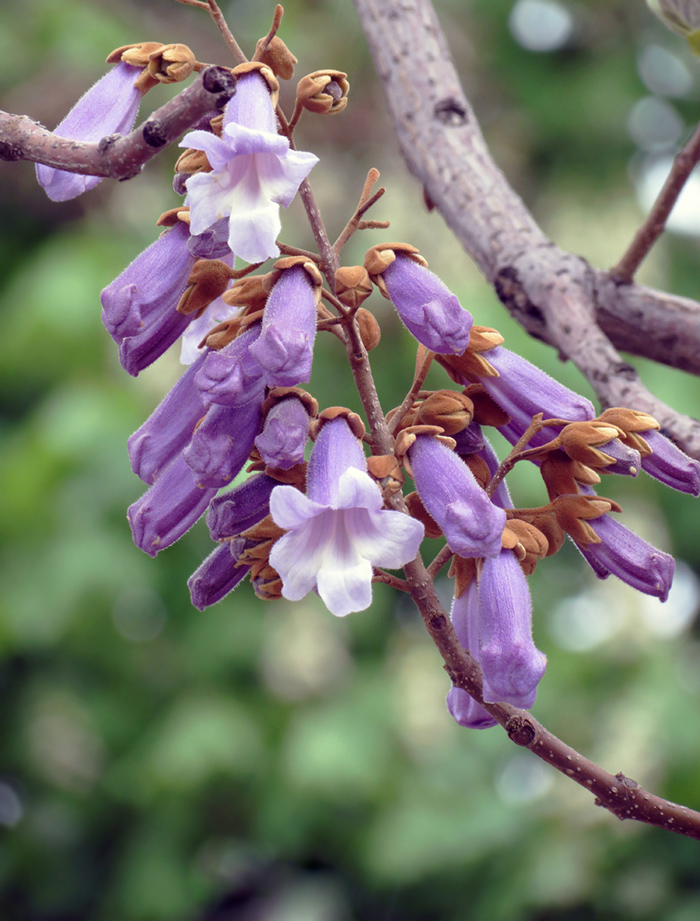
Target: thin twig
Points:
(399, 584)
(424, 358)
(332, 299)
(444, 556)
(263, 45)
(118, 157)
(683, 164)
(222, 25)
(295, 251)
(366, 201)
(199, 3)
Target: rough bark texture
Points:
(556, 296)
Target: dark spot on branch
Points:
(520, 730)
(626, 371)
(106, 142)
(450, 111)
(153, 134)
(219, 80)
(10, 151)
(627, 781)
(512, 295)
(437, 622)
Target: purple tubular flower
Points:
(465, 619)
(523, 390)
(149, 287)
(254, 171)
(427, 307)
(340, 531)
(168, 509)
(670, 465)
(222, 443)
(231, 376)
(285, 433)
(470, 440)
(627, 556)
(108, 107)
(212, 243)
(218, 575)
(285, 347)
(627, 460)
(140, 351)
(471, 523)
(168, 429)
(512, 666)
(241, 508)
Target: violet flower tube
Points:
(231, 376)
(222, 443)
(465, 619)
(168, 509)
(471, 523)
(168, 429)
(242, 507)
(108, 107)
(428, 309)
(511, 664)
(254, 171)
(523, 390)
(150, 286)
(624, 554)
(670, 465)
(285, 348)
(285, 433)
(339, 531)
(218, 575)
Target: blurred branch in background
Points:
(555, 295)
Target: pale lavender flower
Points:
(149, 287)
(168, 509)
(201, 326)
(471, 523)
(240, 508)
(465, 619)
(285, 433)
(624, 554)
(428, 309)
(222, 442)
(254, 171)
(108, 107)
(218, 575)
(523, 390)
(285, 348)
(231, 376)
(512, 666)
(168, 429)
(670, 465)
(339, 532)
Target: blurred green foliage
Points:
(269, 762)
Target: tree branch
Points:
(553, 294)
(115, 156)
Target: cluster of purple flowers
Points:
(249, 343)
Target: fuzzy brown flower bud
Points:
(208, 280)
(352, 285)
(278, 58)
(171, 63)
(370, 331)
(324, 92)
(452, 411)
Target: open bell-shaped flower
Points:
(339, 531)
(254, 170)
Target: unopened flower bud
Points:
(171, 63)
(385, 469)
(527, 542)
(370, 330)
(574, 512)
(324, 92)
(278, 58)
(191, 162)
(208, 280)
(352, 285)
(451, 411)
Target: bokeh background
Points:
(268, 761)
